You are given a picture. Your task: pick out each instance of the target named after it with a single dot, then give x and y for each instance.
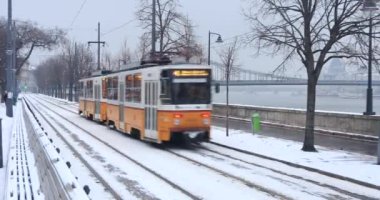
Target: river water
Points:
(329, 98)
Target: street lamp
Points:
(369, 6)
(9, 53)
(219, 40)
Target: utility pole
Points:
(152, 54)
(9, 53)
(98, 42)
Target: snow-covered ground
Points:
(206, 183)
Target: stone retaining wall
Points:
(341, 122)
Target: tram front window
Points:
(191, 93)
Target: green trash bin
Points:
(256, 126)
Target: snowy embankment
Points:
(347, 164)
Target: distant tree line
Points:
(58, 75)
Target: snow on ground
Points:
(272, 147)
(7, 125)
(348, 164)
(353, 165)
(163, 163)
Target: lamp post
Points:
(369, 6)
(219, 40)
(9, 53)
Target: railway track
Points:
(149, 170)
(272, 193)
(344, 192)
(324, 173)
(284, 170)
(94, 173)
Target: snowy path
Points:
(272, 178)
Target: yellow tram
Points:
(153, 102)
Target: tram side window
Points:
(137, 88)
(133, 88)
(128, 88)
(89, 89)
(104, 88)
(115, 82)
(80, 89)
(165, 94)
(112, 88)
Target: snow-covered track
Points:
(248, 173)
(62, 101)
(292, 170)
(144, 167)
(271, 192)
(256, 176)
(295, 165)
(78, 155)
(59, 104)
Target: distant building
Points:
(26, 80)
(336, 70)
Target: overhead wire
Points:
(77, 14)
(118, 27)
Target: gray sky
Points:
(221, 16)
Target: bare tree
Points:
(143, 47)
(124, 54)
(107, 60)
(63, 70)
(28, 37)
(50, 75)
(187, 46)
(171, 26)
(70, 55)
(229, 57)
(314, 31)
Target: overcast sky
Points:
(221, 16)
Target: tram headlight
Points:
(177, 118)
(206, 121)
(177, 122)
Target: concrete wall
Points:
(340, 122)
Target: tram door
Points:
(151, 99)
(121, 106)
(97, 102)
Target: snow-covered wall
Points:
(329, 121)
(57, 181)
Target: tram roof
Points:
(148, 65)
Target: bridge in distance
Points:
(239, 76)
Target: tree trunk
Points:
(308, 144)
(71, 85)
